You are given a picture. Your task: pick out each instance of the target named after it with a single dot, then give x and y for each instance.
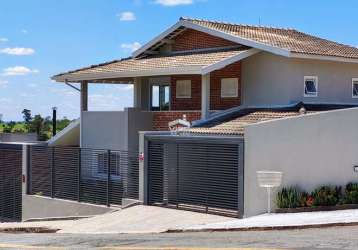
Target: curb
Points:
(22, 230)
(57, 218)
(269, 228)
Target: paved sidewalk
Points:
(280, 221)
(150, 219)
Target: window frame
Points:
(190, 89)
(237, 87)
(354, 81)
(316, 85)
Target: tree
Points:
(27, 115)
(28, 119)
(37, 124)
(9, 127)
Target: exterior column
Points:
(84, 96)
(143, 173)
(205, 96)
(83, 105)
(137, 91)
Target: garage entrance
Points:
(196, 173)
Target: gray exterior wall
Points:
(116, 130)
(310, 150)
(17, 137)
(269, 79)
(36, 207)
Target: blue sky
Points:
(41, 38)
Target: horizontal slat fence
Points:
(10, 182)
(196, 175)
(86, 175)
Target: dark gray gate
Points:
(10, 182)
(196, 173)
(96, 176)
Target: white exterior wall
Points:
(269, 79)
(116, 130)
(310, 150)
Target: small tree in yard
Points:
(38, 126)
(28, 119)
(9, 127)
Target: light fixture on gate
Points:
(269, 180)
(179, 125)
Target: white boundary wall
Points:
(310, 150)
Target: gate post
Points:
(52, 172)
(108, 177)
(79, 175)
(26, 165)
(143, 166)
(241, 169)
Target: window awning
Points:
(199, 62)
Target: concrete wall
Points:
(269, 79)
(117, 130)
(310, 150)
(105, 130)
(69, 136)
(18, 137)
(35, 207)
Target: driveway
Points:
(138, 219)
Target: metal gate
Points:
(10, 182)
(196, 173)
(97, 176)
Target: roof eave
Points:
(187, 70)
(322, 58)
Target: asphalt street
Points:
(326, 238)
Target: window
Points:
(160, 98)
(355, 87)
(311, 86)
(229, 87)
(183, 89)
(102, 166)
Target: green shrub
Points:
(288, 198)
(326, 196)
(351, 194)
(303, 199)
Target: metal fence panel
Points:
(10, 182)
(88, 175)
(195, 175)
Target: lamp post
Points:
(269, 180)
(54, 120)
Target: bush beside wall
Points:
(294, 197)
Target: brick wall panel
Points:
(192, 39)
(193, 103)
(216, 102)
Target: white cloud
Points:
(32, 85)
(3, 83)
(127, 16)
(18, 70)
(24, 31)
(131, 46)
(17, 51)
(124, 87)
(3, 40)
(173, 2)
